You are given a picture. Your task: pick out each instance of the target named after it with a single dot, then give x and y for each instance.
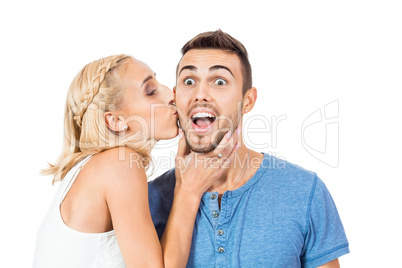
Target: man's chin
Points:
(202, 149)
(205, 147)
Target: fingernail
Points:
(229, 134)
(238, 130)
(237, 145)
(180, 133)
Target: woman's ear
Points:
(115, 122)
(249, 100)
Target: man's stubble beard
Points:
(216, 137)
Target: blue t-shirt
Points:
(283, 216)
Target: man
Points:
(262, 212)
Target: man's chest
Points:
(245, 234)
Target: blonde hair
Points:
(96, 89)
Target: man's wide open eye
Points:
(189, 82)
(220, 82)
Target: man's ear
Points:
(114, 122)
(174, 92)
(249, 100)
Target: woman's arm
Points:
(194, 174)
(176, 240)
(126, 194)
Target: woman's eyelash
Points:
(152, 92)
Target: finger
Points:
(228, 153)
(181, 152)
(226, 145)
(225, 162)
(182, 147)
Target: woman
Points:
(100, 216)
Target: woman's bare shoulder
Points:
(117, 165)
(118, 159)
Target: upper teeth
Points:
(197, 115)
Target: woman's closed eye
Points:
(152, 92)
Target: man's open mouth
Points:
(202, 121)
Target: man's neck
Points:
(242, 168)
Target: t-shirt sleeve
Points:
(325, 236)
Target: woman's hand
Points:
(196, 172)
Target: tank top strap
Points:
(71, 178)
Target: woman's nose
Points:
(168, 95)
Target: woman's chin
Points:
(167, 135)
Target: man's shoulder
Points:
(285, 168)
(165, 183)
(287, 175)
(161, 191)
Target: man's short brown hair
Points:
(223, 41)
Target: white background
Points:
(304, 54)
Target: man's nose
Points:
(202, 93)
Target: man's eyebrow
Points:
(188, 67)
(217, 67)
(147, 79)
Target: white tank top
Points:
(59, 246)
